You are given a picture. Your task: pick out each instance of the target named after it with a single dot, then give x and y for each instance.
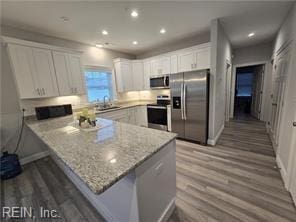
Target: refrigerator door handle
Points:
(184, 101)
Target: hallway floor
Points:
(234, 181)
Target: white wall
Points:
(177, 44)
(220, 54)
(11, 105)
(286, 34)
(252, 54)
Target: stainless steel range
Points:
(157, 113)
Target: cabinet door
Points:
(141, 116)
(174, 64)
(63, 73)
(203, 58)
(155, 67)
(127, 76)
(47, 81)
(165, 63)
(77, 78)
(138, 75)
(118, 77)
(147, 73)
(21, 58)
(186, 61)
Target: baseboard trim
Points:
(214, 141)
(283, 171)
(168, 211)
(34, 157)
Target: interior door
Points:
(257, 92)
(177, 120)
(282, 65)
(195, 105)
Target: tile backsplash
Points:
(81, 100)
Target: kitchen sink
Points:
(107, 108)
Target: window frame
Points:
(101, 69)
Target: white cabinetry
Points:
(147, 73)
(134, 75)
(124, 76)
(194, 59)
(138, 75)
(160, 66)
(187, 61)
(203, 58)
(174, 64)
(141, 116)
(69, 74)
(34, 71)
(134, 115)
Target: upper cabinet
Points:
(34, 71)
(174, 64)
(134, 75)
(147, 73)
(42, 71)
(138, 75)
(69, 73)
(123, 74)
(203, 58)
(187, 61)
(194, 58)
(160, 65)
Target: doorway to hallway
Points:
(248, 92)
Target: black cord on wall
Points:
(21, 132)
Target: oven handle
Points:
(156, 107)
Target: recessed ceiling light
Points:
(162, 31)
(99, 45)
(104, 32)
(251, 34)
(113, 160)
(135, 42)
(65, 18)
(134, 14)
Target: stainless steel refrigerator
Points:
(189, 105)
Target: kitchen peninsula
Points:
(127, 172)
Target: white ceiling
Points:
(181, 19)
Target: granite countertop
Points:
(122, 105)
(100, 157)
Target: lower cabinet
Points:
(134, 115)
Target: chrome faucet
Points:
(105, 100)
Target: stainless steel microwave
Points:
(160, 82)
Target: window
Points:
(98, 84)
(244, 84)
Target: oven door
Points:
(159, 82)
(157, 117)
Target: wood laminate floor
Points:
(234, 181)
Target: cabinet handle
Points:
(43, 91)
(191, 66)
(38, 91)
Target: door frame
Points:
(233, 84)
(228, 81)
